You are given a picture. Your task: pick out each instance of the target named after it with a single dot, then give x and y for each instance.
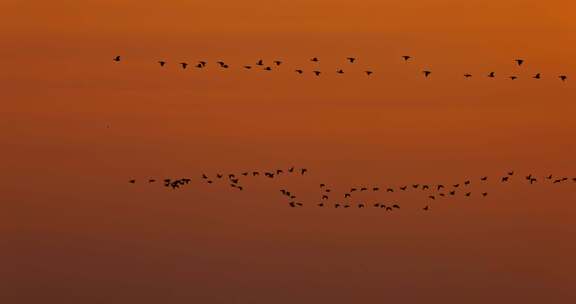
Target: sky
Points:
(75, 127)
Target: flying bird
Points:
(340, 71)
(351, 59)
(117, 59)
(368, 73)
(492, 75)
(406, 57)
(563, 77)
(317, 73)
(467, 75)
(299, 71)
(537, 76)
(314, 59)
(260, 62)
(184, 65)
(162, 63)
(277, 62)
(519, 61)
(426, 73)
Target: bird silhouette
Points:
(351, 59)
(303, 170)
(277, 62)
(299, 71)
(492, 75)
(132, 181)
(389, 190)
(406, 57)
(260, 62)
(431, 197)
(467, 75)
(375, 189)
(537, 76)
(247, 67)
(425, 208)
(426, 73)
(151, 180)
(184, 65)
(368, 72)
(340, 71)
(162, 63)
(563, 77)
(363, 189)
(519, 61)
(468, 193)
(513, 77)
(267, 68)
(403, 188)
(484, 178)
(346, 195)
(317, 73)
(314, 59)
(116, 59)
(504, 179)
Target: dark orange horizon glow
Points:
(76, 126)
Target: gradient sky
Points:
(75, 127)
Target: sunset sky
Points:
(75, 127)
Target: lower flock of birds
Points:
(330, 199)
(275, 64)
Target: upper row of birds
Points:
(351, 60)
(328, 197)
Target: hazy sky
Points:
(75, 127)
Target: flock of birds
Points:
(331, 199)
(351, 60)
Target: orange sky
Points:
(73, 230)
